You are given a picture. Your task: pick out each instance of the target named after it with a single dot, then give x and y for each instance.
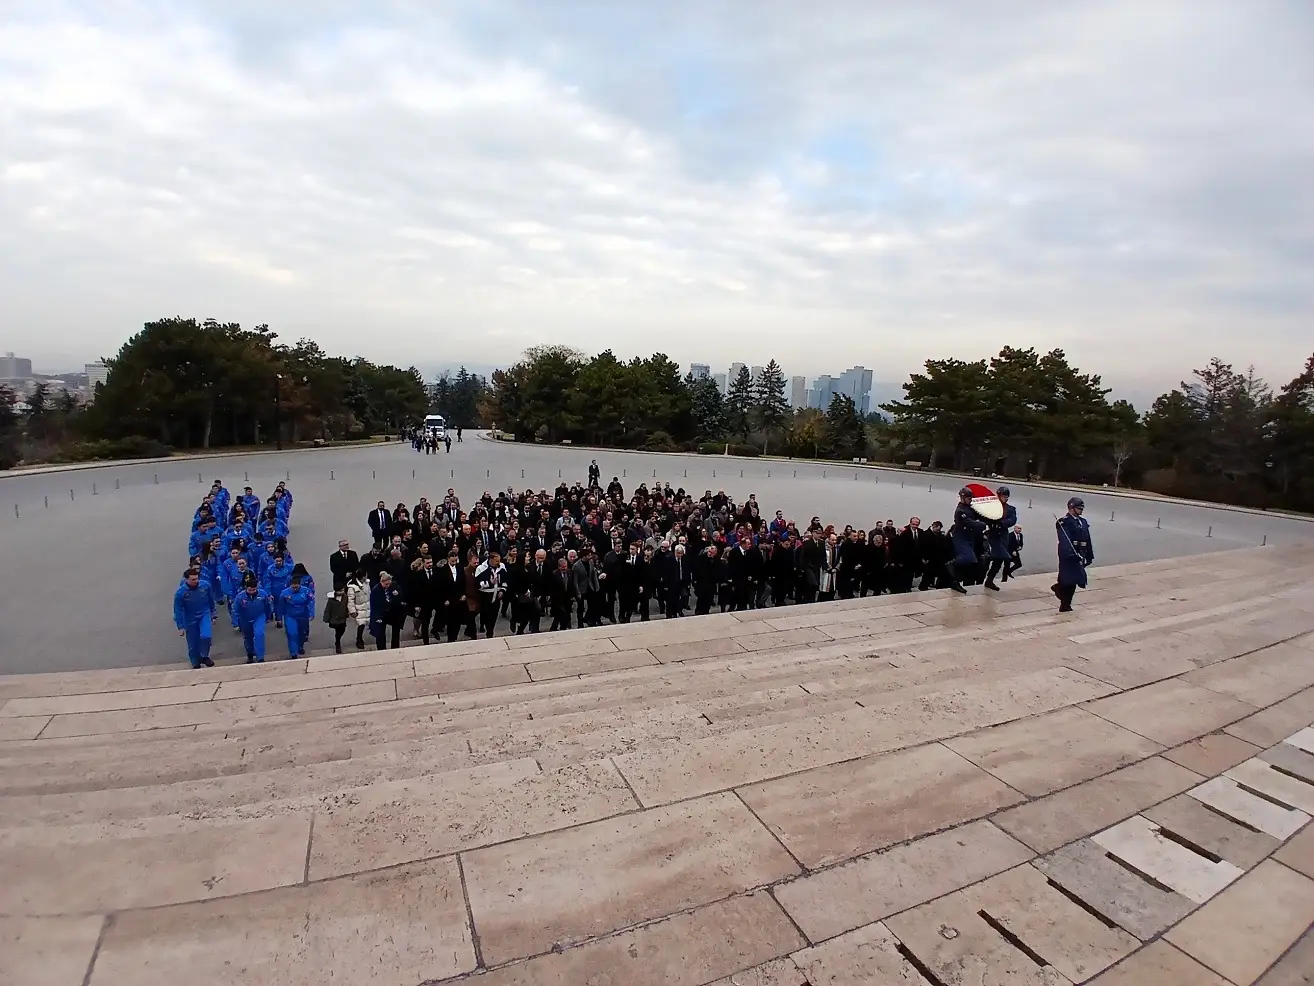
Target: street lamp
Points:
(278, 411)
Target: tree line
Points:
(1222, 435)
(188, 384)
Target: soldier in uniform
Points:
(997, 538)
(963, 535)
(1075, 552)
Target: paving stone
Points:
(566, 667)
(1277, 722)
(1139, 843)
(1298, 853)
(1171, 711)
(1262, 678)
(866, 956)
(1131, 665)
(873, 887)
(1069, 938)
(834, 813)
(1296, 968)
(555, 889)
(683, 950)
(108, 701)
(461, 681)
(1290, 760)
(110, 875)
(1159, 964)
(396, 927)
(1226, 797)
(781, 638)
(404, 821)
(1084, 869)
(49, 951)
(1260, 775)
(951, 939)
(695, 650)
(1043, 753)
(777, 972)
(1211, 754)
(1303, 739)
(1049, 822)
(1247, 927)
(315, 679)
(22, 727)
(1189, 818)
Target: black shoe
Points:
(958, 588)
(206, 662)
(337, 649)
(250, 659)
(990, 584)
(1065, 608)
(1055, 589)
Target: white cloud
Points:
(821, 185)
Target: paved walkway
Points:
(925, 789)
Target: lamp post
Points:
(278, 411)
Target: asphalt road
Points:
(93, 556)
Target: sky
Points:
(830, 183)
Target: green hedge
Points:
(132, 447)
(719, 448)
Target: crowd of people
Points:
(238, 558)
(582, 555)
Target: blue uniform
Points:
(967, 525)
(998, 531)
(210, 573)
(276, 579)
(193, 612)
(251, 504)
(298, 608)
(1075, 550)
(252, 612)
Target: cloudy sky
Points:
(828, 183)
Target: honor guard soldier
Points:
(1075, 552)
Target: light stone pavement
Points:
(93, 573)
(926, 790)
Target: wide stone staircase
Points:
(923, 789)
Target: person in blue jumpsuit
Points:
(1075, 552)
(307, 583)
(250, 504)
(967, 527)
(298, 609)
(233, 573)
(276, 579)
(997, 537)
(252, 609)
(193, 614)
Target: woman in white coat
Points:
(358, 604)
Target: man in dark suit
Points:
(449, 605)
(380, 521)
(344, 562)
(907, 554)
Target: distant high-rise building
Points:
(14, 368)
(798, 392)
(733, 374)
(96, 372)
(855, 383)
(719, 380)
(755, 374)
(823, 388)
(699, 371)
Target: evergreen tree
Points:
(708, 410)
(770, 404)
(38, 411)
(10, 433)
(844, 434)
(739, 405)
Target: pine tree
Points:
(845, 434)
(739, 405)
(708, 409)
(771, 407)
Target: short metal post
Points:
(522, 474)
(1158, 524)
(157, 479)
(198, 477)
(116, 484)
(331, 474)
(70, 496)
(47, 499)
(246, 477)
(823, 474)
(15, 511)
(93, 490)
(1261, 543)
(1210, 532)
(288, 475)
(928, 487)
(412, 474)
(1112, 514)
(374, 474)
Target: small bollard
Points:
(198, 477)
(47, 499)
(901, 487)
(157, 479)
(928, 487)
(768, 474)
(1210, 532)
(93, 490)
(15, 511)
(522, 474)
(1028, 504)
(246, 477)
(116, 484)
(823, 474)
(453, 476)
(487, 474)
(331, 476)
(741, 474)
(654, 474)
(374, 474)
(1261, 543)
(288, 475)
(558, 474)
(796, 474)
(412, 474)
(713, 473)
(1112, 514)
(624, 474)
(1158, 524)
(70, 496)
(855, 477)
(686, 474)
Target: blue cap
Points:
(1076, 501)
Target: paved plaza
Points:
(98, 552)
(924, 790)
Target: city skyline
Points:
(467, 179)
